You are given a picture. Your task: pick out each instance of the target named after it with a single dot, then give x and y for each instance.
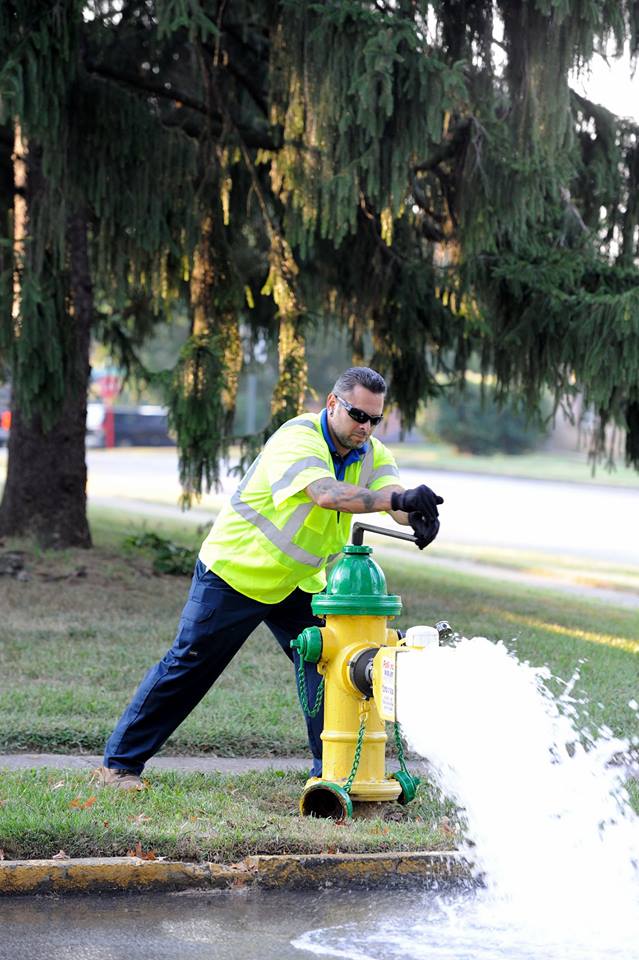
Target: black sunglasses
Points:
(359, 415)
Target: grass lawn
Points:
(199, 817)
(77, 636)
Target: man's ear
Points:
(331, 401)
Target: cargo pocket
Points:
(197, 611)
(195, 627)
(201, 603)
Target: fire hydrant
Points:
(355, 653)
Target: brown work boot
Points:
(115, 777)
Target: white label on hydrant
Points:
(388, 687)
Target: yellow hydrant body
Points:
(344, 638)
(357, 609)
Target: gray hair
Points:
(360, 376)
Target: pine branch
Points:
(371, 218)
(179, 98)
(447, 151)
(251, 88)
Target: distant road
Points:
(563, 518)
(600, 523)
(567, 518)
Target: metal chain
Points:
(301, 685)
(400, 748)
(358, 752)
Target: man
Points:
(265, 557)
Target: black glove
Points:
(420, 500)
(425, 530)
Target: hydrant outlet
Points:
(361, 670)
(326, 800)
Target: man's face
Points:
(349, 434)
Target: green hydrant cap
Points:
(409, 785)
(309, 644)
(357, 587)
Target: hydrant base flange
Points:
(372, 790)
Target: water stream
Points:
(548, 822)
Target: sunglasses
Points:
(359, 415)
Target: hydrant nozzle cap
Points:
(309, 644)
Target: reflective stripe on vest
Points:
(367, 467)
(282, 539)
(296, 468)
(387, 470)
(297, 423)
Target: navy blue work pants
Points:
(215, 622)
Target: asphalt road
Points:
(595, 522)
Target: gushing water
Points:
(548, 823)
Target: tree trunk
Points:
(45, 492)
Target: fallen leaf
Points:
(141, 854)
(78, 804)
(61, 855)
(56, 786)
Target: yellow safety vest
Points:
(271, 538)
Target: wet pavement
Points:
(240, 925)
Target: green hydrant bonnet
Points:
(357, 587)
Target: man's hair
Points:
(360, 376)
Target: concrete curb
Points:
(132, 874)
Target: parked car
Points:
(145, 426)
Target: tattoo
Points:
(345, 497)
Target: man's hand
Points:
(425, 530)
(419, 500)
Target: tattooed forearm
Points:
(347, 497)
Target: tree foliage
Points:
(417, 172)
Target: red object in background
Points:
(108, 386)
(5, 420)
(108, 427)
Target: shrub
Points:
(476, 424)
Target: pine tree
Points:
(394, 168)
(88, 216)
